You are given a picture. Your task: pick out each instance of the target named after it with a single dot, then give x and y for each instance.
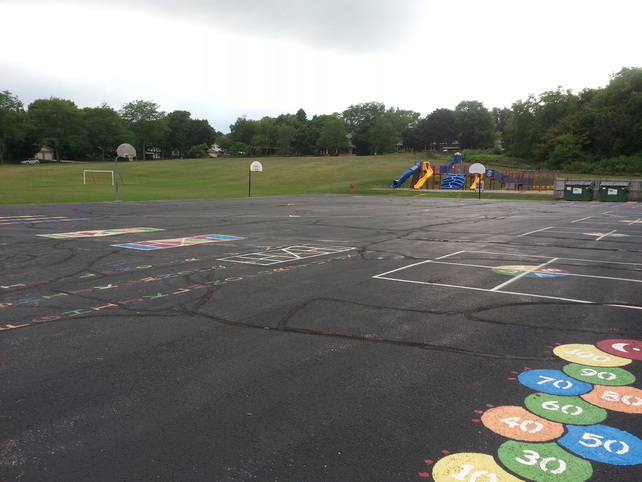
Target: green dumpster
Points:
(578, 191)
(617, 191)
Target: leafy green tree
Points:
(520, 128)
(402, 120)
(57, 123)
(284, 138)
(185, 132)
(177, 140)
(224, 141)
(202, 133)
(243, 130)
(104, 128)
(198, 152)
(359, 119)
(382, 136)
(305, 138)
(332, 135)
(239, 148)
(476, 125)
(440, 127)
(146, 121)
(301, 116)
(613, 116)
(12, 117)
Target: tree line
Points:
(556, 129)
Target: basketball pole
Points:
(116, 177)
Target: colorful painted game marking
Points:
(619, 399)
(589, 355)
(602, 443)
(546, 461)
(607, 235)
(553, 382)
(530, 271)
(289, 253)
(563, 409)
(471, 467)
(559, 432)
(610, 376)
(99, 233)
(624, 348)
(178, 242)
(520, 424)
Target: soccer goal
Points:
(92, 173)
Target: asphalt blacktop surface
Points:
(321, 338)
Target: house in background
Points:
(45, 153)
(214, 150)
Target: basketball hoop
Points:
(127, 151)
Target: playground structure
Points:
(455, 176)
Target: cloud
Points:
(220, 59)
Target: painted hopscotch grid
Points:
(283, 255)
(487, 271)
(99, 233)
(178, 242)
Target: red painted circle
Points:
(631, 349)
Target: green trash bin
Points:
(578, 191)
(614, 191)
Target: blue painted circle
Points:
(554, 382)
(602, 443)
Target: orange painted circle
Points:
(518, 423)
(618, 399)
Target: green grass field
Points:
(51, 183)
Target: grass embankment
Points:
(51, 183)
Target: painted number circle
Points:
(470, 467)
(589, 355)
(544, 461)
(518, 423)
(531, 271)
(554, 382)
(600, 375)
(567, 410)
(618, 399)
(625, 348)
(603, 444)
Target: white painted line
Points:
(498, 289)
(536, 231)
(582, 219)
(515, 278)
(451, 254)
(627, 306)
(607, 234)
(401, 269)
(517, 293)
(468, 265)
(548, 257)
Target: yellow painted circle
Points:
(470, 466)
(589, 355)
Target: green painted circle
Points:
(564, 409)
(544, 461)
(609, 376)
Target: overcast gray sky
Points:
(221, 59)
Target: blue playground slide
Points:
(405, 175)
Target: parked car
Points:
(30, 161)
